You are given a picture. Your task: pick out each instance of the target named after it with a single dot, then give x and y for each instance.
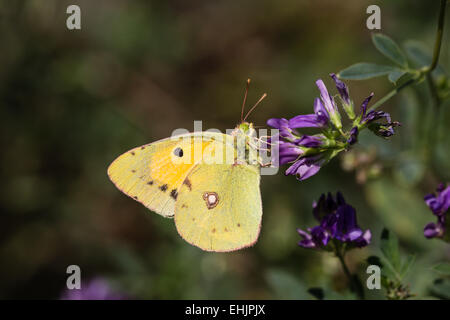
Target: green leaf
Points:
(364, 70)
(392, 200)
(442, 268)
(390, 49)
(395, 75)
(417, 53)
(406, 265)
(394, 267)
(389, 248)
(420, 55)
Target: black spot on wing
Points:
(178, 152)
(163, 187)
(150, 182)
(174, 194)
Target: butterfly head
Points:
(245, 129)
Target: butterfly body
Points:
(207, 181)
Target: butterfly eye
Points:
(178, 152)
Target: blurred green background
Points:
(72, 101)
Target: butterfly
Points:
(207, 181)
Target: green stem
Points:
(344, 266)
(440, 31)
(392, 93)
(426, 70)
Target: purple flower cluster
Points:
(337, 224)
(439, 203)
(308, 153)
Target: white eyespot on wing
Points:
(211, 199)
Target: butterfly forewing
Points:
(152, 174)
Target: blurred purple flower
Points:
(337, 223)
(439, 204)
(96, 289)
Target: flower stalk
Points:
(355, 284)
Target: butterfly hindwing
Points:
(219, 207)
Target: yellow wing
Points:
(219, 207)
(152, 174)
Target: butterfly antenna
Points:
(256, 104)
(245, 99)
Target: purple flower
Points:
(310, 141)
(364, 105)
(288, 152)
(307, 166)
(342, 89)
(434, 230)
(353, 136)
(308, 153)
(318, 119)
(382, 130)
(330, 105)
(96, 289)
(282, 125)
(439, 204)
(295, 147)
(337, 223)
(326, 98)
(346, 224)
(364, 239)
(326, 205)
(307, 241)
(368, 119)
